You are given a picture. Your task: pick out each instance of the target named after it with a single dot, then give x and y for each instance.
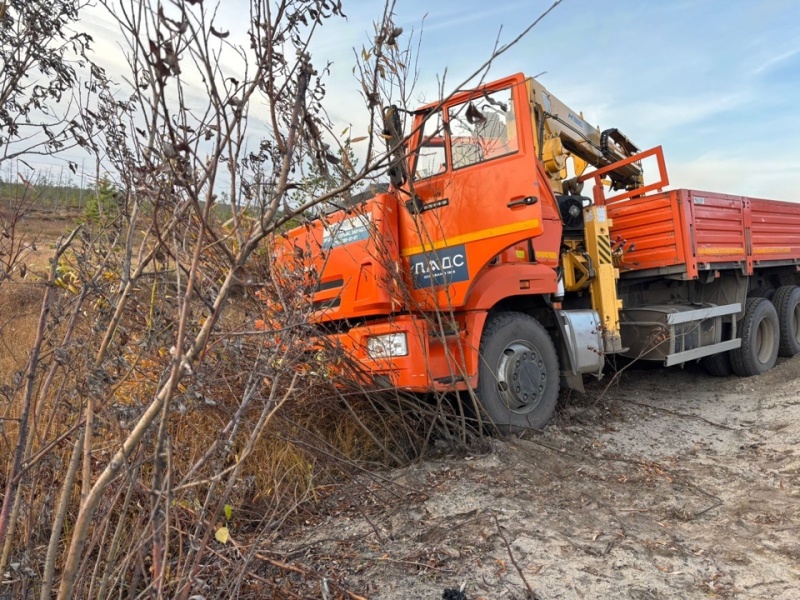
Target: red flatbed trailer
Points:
(685, 232)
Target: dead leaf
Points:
(223, 535)
(220, 34)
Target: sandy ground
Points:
(665, 484)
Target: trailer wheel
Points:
(787, 303)
(759, 330)
(717, 365)
(518, 378)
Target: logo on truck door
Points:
(354, 229)
(439, 267)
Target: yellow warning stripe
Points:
(720, 250)
(471, 237)
(604, 249)
(771, 250)
(551, 255)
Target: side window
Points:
(483, 128)
(431, 158)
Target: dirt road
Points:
(669, 484)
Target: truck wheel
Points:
(759, 330)
(787, 302)
(717, 365)
(762, 292)
(518, 378)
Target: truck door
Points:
(474, 191)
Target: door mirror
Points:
(393, 132)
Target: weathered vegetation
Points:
(165, 428)
(155, 442)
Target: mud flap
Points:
(581, 346)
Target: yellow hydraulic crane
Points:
(587, 260)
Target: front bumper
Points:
(408, 372)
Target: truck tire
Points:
(518, 377)
(762, 292)
(718, 365)
(759, 330)
(787, 302)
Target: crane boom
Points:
(562, 132)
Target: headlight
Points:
(387, 346)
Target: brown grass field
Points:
(20, 297)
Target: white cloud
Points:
(661, 116)
(685, 75)
(738, 174)
(770, 63)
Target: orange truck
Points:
(483, 267)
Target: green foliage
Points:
(101, 206)
(46, 194)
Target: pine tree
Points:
(101, 206)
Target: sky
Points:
(715, 82)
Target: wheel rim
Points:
(521, 377)
(765, 341)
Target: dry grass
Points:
(310, 447)
(20, 304)
(47, 226)
(38, 227)
(21, 295)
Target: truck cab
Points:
(482, 268)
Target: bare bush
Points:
(42, 52)
(170, 420)
(148, 387)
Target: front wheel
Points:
(518, 378)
